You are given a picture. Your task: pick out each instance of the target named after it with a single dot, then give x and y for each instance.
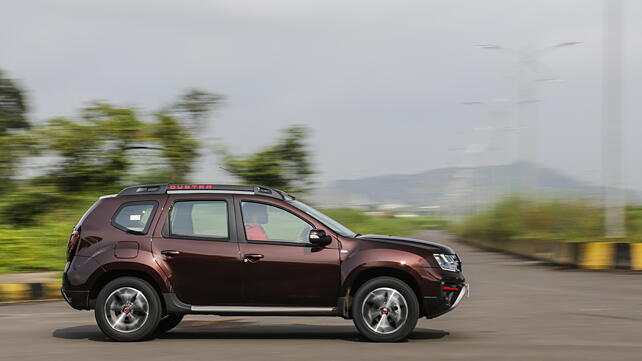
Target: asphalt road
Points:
(518, 310)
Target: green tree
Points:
(179, 149)
(13, 106)
(102, 149)
(194, 107)
(93, 150)
(14, 143)
(176, 132)
(285, 165)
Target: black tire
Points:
(169, 322)
(126, 287)
(383, 285)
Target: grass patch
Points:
(569, 221)
(43, 245)
(359, 222)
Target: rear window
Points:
(135, 217)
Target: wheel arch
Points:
(114, 272)
(360, 277)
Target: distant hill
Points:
(480, 185)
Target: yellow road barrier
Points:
(15, 291)
(597, 255)
(51, 290)
(636, 256)
(11, 292)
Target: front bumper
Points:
(465, 290)
(451, 296)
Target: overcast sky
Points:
(380, 83)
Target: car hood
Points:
(435, 247)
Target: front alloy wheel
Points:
(385, 309)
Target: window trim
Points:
(279, 242)
(166, 231)
(147, 226)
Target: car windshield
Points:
(334, 225)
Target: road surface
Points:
(518, 310)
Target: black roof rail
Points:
(144, 189)
(147, 189)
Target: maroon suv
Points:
(149, 255)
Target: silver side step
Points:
(264, 310)
(174, 305)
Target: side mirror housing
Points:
(318, 237)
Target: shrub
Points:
(523, 218)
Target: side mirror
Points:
(318, 238)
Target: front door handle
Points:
(170, 252)
(252, 257)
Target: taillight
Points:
(71, 246)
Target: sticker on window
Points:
(134, 217)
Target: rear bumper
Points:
(76, 299)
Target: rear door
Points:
(280, 267)
(197, 247)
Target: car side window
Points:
(263, 222)
(199, 219)
(134, 217)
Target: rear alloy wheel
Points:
(385, 309)
(128, 309)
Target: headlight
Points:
(447, 262)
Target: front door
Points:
(197, 247)
(280, 267)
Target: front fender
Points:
(364, 260)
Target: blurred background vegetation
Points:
(107, 147)
(522, 218)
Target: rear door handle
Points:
(170, 252)
(252, 257)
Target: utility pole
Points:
(528, 62)
(497, 110)
(614, 199)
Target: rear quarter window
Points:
(135, 217)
